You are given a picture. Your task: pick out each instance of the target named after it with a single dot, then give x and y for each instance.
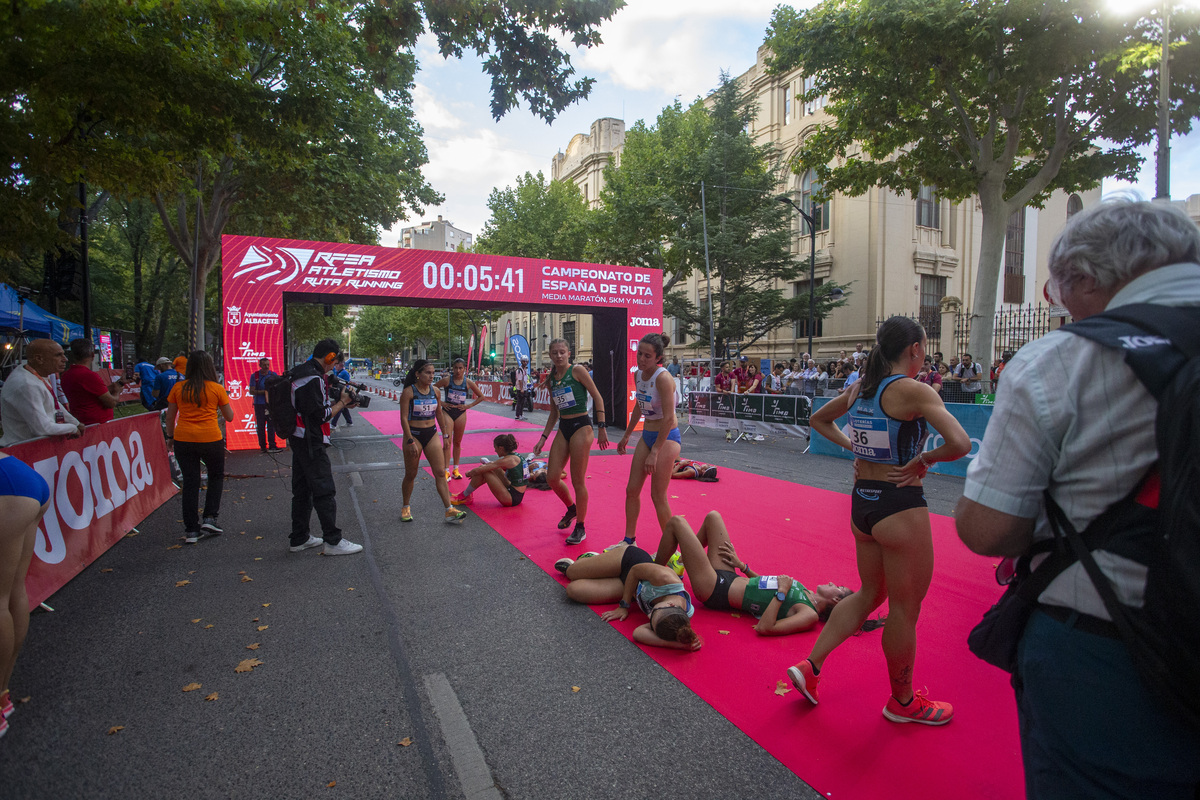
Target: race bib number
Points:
(424, 407)
(646, 402)
(869, 438)
(457, 396)
(564, 398)
(768, 582)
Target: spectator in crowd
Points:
(827, 373)
(937, 359)
(775, 379)
(92, 400)
(930, 376)
(968, 375)
(262, 419)
(810, 375)
(858, 355)
(192, 409)
(146, 376)
(726, 382)
(28, 405)
(24, 499)
(673, 368)
(339, 370)
(851, 379)
(842, 357)
(1074, 424)
(954, 366)
(168, 376)
(752, 380)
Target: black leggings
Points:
(423, 435)
(190, 455)
(568, 426)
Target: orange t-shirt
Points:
(198, 423)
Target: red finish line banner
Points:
(101, 486)
(257, 272)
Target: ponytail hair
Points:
(507, 442)
(894, 336)
(658, 341)
(411, 377)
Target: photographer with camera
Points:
(312, 473)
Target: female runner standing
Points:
(419, 410)
(655, 454)
(455, 387)
(570, 386)
(888, 514)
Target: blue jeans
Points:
(1090, 728)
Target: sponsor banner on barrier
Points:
(101, 485)
(974, 419)
(502, 393)
(750, 413)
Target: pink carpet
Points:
(844, 747)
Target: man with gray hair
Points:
(1076, 425)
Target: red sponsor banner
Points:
(258, 274)
(101, 485)
(498, 392)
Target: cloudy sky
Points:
(653, 52)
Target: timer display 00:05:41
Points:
(472, 278)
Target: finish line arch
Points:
(259, 275)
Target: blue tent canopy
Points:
(37, 321)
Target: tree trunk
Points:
(987, 276)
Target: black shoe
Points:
(567, 517)
(210, 527)
(577, 535)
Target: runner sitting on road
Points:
(626, 573)
(782, 604)
(505, 476)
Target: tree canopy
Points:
(1006, 101)
(536, 219)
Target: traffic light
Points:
(389, 337)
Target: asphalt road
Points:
(444, 637)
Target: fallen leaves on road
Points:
(181, 583)
(263, 627)
(210, 625)
(256, 538)
(115, 729)
(107, 569)
(736, 616)
(175, 547)
(197, 619)
(25, 699)
(211, 697)
(331, 784)
(266, 605)
(782, 688)
(405, 742)
(723, 633)
(350, 589)
(575, 689)
(247, 664)
(191, 687)
(247, 579)
(252, 646)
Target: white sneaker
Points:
(343, 548)
(562, 564)
(760, 438)
(313, 541)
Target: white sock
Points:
(467, 491)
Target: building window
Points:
(787, 105)
(680, 331)
(928, 209)
(568, 333)
(811, 106)
(1014, 258)
(800, 289)
(1074, 206)
(932, 291)
(810, 186)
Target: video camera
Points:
(355, 390)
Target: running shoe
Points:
(804, 679)
(588, 554)
(343, 548)
(313, 541)
(3, 727)
(455, 515)
(921, 709)
(406, 514)
(562, 564)
(625, 541)
(462, 500)
(457, 475)
(447, 474)
(567, 517)
(577, 535)
(191, 537)
(6, 707)
(675, 562)
(210, 527)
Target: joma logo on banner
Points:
(88, 485)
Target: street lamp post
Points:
(812, 264)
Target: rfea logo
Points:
(268, 262)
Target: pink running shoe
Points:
(6, 706)
(459, 500)
(921, 709)
(804, 679)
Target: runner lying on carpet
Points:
(626, 573)
(505, 476)
(782, 604)
(419, 408)
(686, 469)
(539, 476)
